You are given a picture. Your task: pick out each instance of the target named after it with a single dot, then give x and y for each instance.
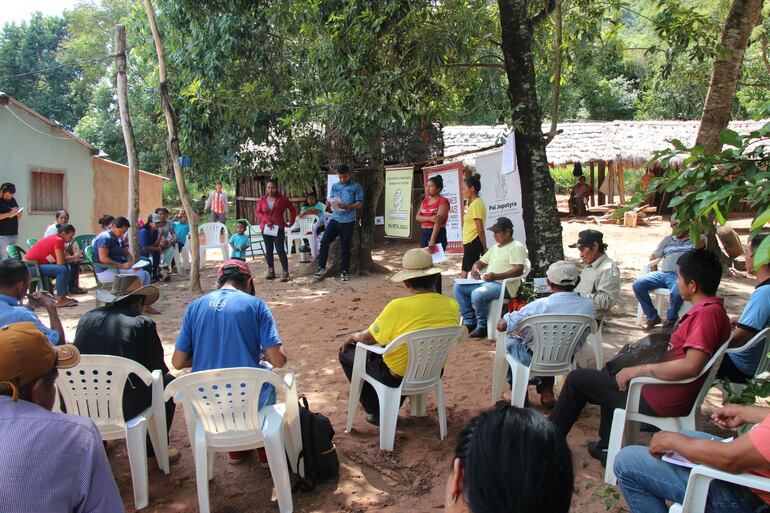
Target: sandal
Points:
(67, 303)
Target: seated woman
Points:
(313, 207)
(510, 460)
(149, 242)
(506, 259)
(579, 196)
(51, 255)
(62, 218)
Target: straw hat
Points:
(126, 285)
(417, 263)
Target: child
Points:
(239, 242)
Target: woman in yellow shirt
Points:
(474, 239)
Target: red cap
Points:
(232, 267)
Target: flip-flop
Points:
(68, 303)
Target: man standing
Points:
(50, 461)
(9, 218)
(600, 278)
(14, 283)
(51, 255)
(217, 204)
(669, 250)
(230, 327)
(346, 197)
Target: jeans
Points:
(277, 241)
(345, 232)
(647, 483)
(515, 347)
(62, 275)
(658, 280)
(219, 218)
(5, 241)
(474, 301)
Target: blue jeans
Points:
(647, 483)
(5, 241)
(61, 273)
(516, 347)
(658, 280)
(474, 301)
(345, 232)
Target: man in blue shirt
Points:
(738, 367)
(230, 327)
(14, 283)
(562, 278)
(346, 196)
(110, 248)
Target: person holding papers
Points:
(433, 215)
(508, 258)
(110, 248)
(271, 212)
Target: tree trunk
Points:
(541, 217)
(741, 20)
(128, 138)
(173, 148)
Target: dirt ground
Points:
(312, 318)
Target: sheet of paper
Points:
(467, 281)
(335, 203)
(438, 254)
(140, 264)
(677, 459)
(271, 230)
(509, 164)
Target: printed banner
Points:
(398, 202)
(501, 194)
(452, 174)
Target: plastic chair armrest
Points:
(747, 480)
(374, 348)
(646, 267)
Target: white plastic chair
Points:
(221, 409)
(495, 311)
(696, 495)
(182, 258)
(625, 422)
(597, 344)
(658, 297)
(213, 240)
(428, 351)
(94, 389)
(762, 374)
(306, 231)
(554, 339)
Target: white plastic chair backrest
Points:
(761, 338)
(94, 387)
(213, 233)
(710, 370)
(554, 339)
(428, 350)
(506, 281)
(224, 400)
(306, 223)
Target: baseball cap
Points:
(562, 273)
(502, 223)
(154, 218)
(588, 237)
(233, 267)
(27, 355)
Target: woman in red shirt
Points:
(53, 261)
(271, 213)
(433, 215)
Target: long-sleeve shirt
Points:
(275, 214)
(217, 202)
(556, 303)
(600, 281)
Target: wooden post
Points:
(602, 198)
(593, 185)
(611, 181)
(621, 182)
(128, 139)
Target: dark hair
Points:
(12, 272)
(61, 213)
(149, 220)
(756, 240)
(702, 267)
(343, 169)
(438, 181)
(106, 220)
(577, 170)
(311, 193)
(238, 279)
(473, 181)
(515, 460)
(121, 222)
(161, 209)
(423, 282)
(241, 222)
(273, 181)
(49, 378)
(65, 228)
(565, 288)
(8, 187)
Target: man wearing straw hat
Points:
(50, 461)
(120, 329)
(424, 308)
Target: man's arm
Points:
(181, 360)
(674, 370)
(741, 336)
(276, 356)
(734, 457)
(513, 272)
(49, 303)
(607, 289)
(364, 337)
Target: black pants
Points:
(137, 397)
(730, 371)
(376, 368)
(345, 232)
(279, 243)
(591, 386)
(471, 253)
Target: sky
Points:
(16, 10)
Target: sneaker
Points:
(285, 276)
(262, 456)
(344, 276)
(270, 274)
(320, 273)
(597, 452)
(77, 291)
(479, 332)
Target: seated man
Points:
(738, 367)
(701, 332)
(230, 327)
(506, 259)
(54, 262)
(424, 308)
(648, 482)
(50, 461)
(14, 283)
(562, 278)
(579, 196)
(669, 249)
(120, 329)
(110, 248)
(600, 278)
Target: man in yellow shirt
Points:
(508, 258)
(424, 308)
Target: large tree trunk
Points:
(541, 216)
(741, 20)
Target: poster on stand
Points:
(398, 202)
(452, 174)
(501, 193)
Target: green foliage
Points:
(610, 496)
(747, 394)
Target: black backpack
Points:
(318, 451)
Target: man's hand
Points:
(729, 417)
(488, 276)
(269, 224)
(349, 342)
(44, 299)
(342, 206)
(626, 375)
(665, 442)
(502, 325)
(475, 274)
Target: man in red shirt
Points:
(49, 253)
(700, 332)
